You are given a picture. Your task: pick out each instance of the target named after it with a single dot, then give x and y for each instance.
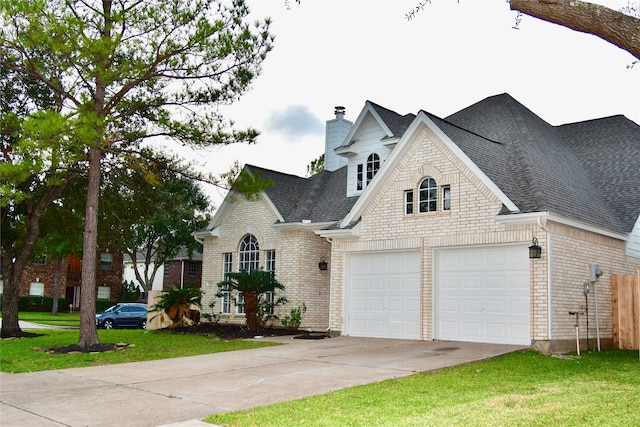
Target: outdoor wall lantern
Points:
(322, 265)
(535, 251)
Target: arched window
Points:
(373, 165)
(428, 195)
(249, 253)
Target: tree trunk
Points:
(56, 287)
(615, 27)
(88, 330)
(250, 310)
(10, 324)
(16, 258)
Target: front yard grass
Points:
(518, 389)
(61, 319)
(20, 354)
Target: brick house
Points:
(428, 225)
(38, 277)
(183, 269)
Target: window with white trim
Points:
(106, 261)
(428, 195)
(373, 166)
(408, 202)
(227, 262)
(249, 259)
(446, 197)
(36, 289)
(104, 292)
(270, 265)
(191, 269)
(39, 259)
(359, 177)
(249, 253)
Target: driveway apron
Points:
(177, 390)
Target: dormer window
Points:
(373, 166)
(428, 195)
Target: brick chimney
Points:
(337, 130)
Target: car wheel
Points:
(108, 324)
(144, 324)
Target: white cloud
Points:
(294, 121)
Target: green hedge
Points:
(33, 303)
(45, 304)
(102, 304)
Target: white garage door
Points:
(383, 295)
(482, 295)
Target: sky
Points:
(449, 56)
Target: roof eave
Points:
(303, 225)
(536, 217)
(340, 233)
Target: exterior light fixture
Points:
(535, 251)
(322, 265)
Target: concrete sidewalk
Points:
(184, 390)
(24, 325)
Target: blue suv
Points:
(123, 314)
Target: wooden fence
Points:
(626, 311)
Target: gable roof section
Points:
(586, 172)
(609, 151)
(319, 198)
(393, 124)
(424, 119)
(546, 169)
(396, 123)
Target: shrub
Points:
(293, 320)
(176, 304)
(130, 292)
(40, 304)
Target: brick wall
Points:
(297, 255)
(472, 221)
(572, 253)
(71, 277)
(179, 273)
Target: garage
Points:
(382, 298)
(482, 295)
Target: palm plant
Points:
(253, 285)
(177, 302)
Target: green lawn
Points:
(20, 355)
(519, 389)
(61, 319)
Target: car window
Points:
(125, 309)
(138, 309)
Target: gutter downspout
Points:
(181, 273)
(546, 230)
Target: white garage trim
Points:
(382, 295)
(482, 294)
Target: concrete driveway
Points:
(183, 390)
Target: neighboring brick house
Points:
(426, 225)
(183, 269)
(38, 277)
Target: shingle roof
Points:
(586, 171)
(319, 198)
(396, 123)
